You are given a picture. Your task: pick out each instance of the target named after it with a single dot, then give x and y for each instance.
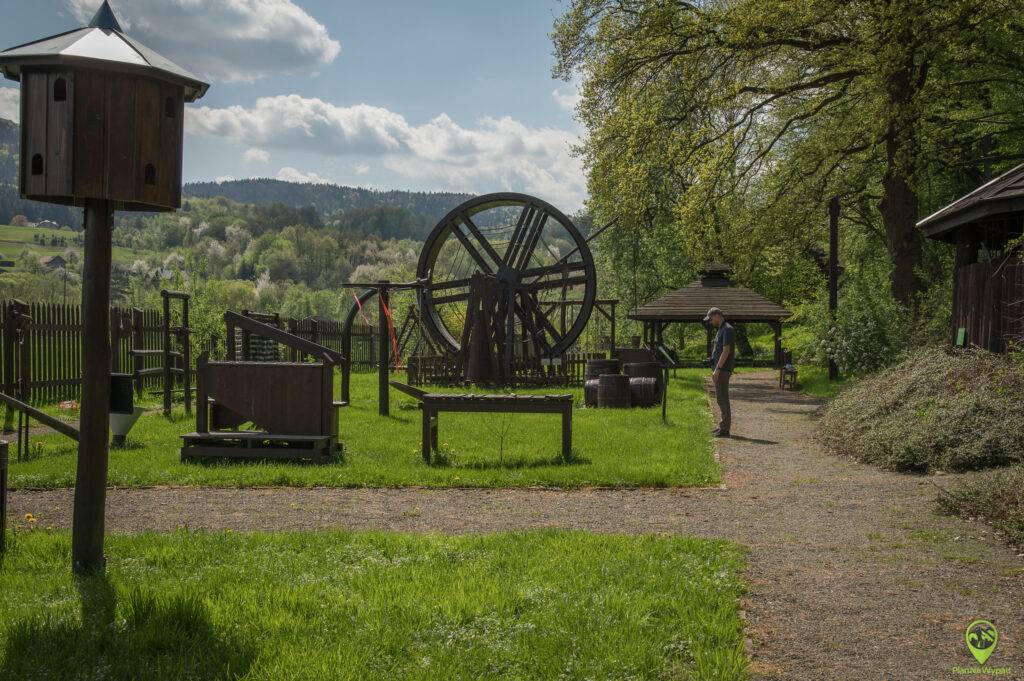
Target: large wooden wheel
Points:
(530, 253)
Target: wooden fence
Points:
(41, 347)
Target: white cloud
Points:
(362, 169)
(256, 155)
(230, 40)
(224, 178)
(289, 174)
(497, 154)
(569, 98)
(10, 103)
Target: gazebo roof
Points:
(991, 203)
(101, 44)
(714, 289)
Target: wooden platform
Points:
(256, 445)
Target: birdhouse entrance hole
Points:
(150, 175)
(169, 107)
(60, 90)
(37, 164)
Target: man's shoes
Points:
(720, 433)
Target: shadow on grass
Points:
(158, 637)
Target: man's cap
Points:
(712, 312)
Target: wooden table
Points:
(434, 403)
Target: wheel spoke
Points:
(539, 315)
(557, 268)
(517, 234)
(530, 239)
(473, 252)
(484, 243)
(453, 298)
(556, 283)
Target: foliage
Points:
(937, 409)
(996, 497)
(339, 605)
(719, 128)
(328, 199)
(612, 448)
(868, 332)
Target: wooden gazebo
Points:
(988, 283)
(689, 305)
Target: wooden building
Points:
(988, 278)
(689, 305)
(102, 117)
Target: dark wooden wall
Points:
(988, 302)
(108, 136)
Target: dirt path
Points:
(852, 575)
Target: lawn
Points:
(340, 605)
(14, 240)
(611, 448)
(813, 380)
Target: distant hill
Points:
(11, 203)
(9, 134)
(389, 214)
(328, 199)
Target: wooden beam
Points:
(87, 525)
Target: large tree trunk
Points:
(898, 204)
(899, 216)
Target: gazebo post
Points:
(777, 328)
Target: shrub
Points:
(869, 331)
(936, 409)
(997, 497)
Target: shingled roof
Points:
(713, 289)
(992, 202)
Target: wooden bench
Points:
(433, 404)
(290, 406)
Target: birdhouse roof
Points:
(101, 44)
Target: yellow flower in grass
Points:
(30, 519)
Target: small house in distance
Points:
(53, 262)
(988, 280)
(689, 305)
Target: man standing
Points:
(723, 360)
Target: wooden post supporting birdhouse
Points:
(101, 128)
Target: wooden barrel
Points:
(644, 391)
(644, 370)
(596, 367)
(613, 391)
(590, 393)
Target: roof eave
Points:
(11, 67)
(940, 228)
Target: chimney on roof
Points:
(716, 274)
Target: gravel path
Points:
(852, 575)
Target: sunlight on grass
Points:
(813, 380)
(338, 605)
(611, 448)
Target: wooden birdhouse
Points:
(101, 118)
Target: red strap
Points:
(391, 330)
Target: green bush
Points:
(997, 497)
(936, 409)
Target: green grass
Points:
(813, 380)
(14, 240)
(338, 605)
(611, 448)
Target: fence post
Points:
(4, 446)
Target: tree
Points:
(890, 103)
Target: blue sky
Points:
(450, 94)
